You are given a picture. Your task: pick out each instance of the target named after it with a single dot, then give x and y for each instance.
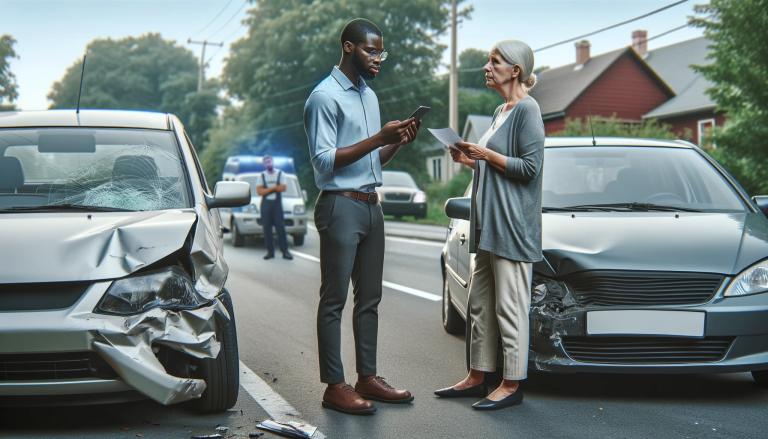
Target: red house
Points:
(616, 83)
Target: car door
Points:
(462, 259)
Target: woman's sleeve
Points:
(530, 146)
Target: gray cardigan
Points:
(511, 203)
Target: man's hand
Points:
(410, 135)
(395, 132)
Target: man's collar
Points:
(344, 82)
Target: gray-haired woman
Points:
(506, 227)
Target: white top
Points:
(271, 182)
(482, 142)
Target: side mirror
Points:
(762, 203)
(230, 194)
(458, 208)
(304, 195)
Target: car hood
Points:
(288, 202)
(61, 247)
(724, 243)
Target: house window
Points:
(705, 130)
(437, 168)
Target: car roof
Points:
(258, 174)
(86, 118)
(554, 142)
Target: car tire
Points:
(492, 379)
(238, 239)
(221, 374)
(452, 321)
(760, 377)
(298, 239)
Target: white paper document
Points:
(447, 136)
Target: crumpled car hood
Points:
(60, 247)
(724, 243)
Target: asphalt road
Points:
(275, 304)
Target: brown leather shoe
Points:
(378, 390)
(344, 399)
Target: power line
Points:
(214, 18)
(230, 19)
(667, 32)
(225, 39)
(612, 26)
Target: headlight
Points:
(168, 288)
(543, 287)
(420, 197)
(753, 280)
(251, 208)
(299, 209)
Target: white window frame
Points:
(437, 168)
(700, 132)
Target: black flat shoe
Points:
(268, 256)
(450, 392)
(288, 256)
(513, 399)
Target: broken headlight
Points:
(168, 288)
(753, 280)
(543, 288)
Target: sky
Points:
(52, 34)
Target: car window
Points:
(127, 169)
(398, 179)
(292, 188)
(678, 177)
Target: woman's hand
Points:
(473, 151)
(459, 157)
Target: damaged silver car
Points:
(655, 261)
(111, 267)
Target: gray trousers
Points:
(351, 247)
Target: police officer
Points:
(271, 189)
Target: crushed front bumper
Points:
(738, 326)
(126, 343)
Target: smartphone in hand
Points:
(419, 113)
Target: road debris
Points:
(290, 428)
(222, 429)
(208, 436)
(255, 434)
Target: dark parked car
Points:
(655, 261)
(400, 196)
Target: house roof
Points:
(673, 63)
(478, 122)
(556, 89)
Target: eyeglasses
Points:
(375, 54)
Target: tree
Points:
(144, 73)
(293, 44)
(8, 87)
(472, 59)
(738, 30)
(612, 127)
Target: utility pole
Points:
(453, 99)
(202, 60)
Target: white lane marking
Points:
(394, 286)
(396, 238)
(271, 401)
(413, 291)
(415, 241)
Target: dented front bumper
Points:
(126, 343)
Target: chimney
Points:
(640, 42)
(582, 52)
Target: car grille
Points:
(397, 196)
(632, 288)
(287, 222)
(646, 350)
(52, 366)
(40, 296)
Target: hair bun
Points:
(530, 82)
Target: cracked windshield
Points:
(133, 170)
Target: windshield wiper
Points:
(567, 209)
(634, 207)
(65, 207)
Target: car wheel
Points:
(492, 379)
(298, 239)
(238, 239)
(452, 321)
(221, 374)
(761, 377)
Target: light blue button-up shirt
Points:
(338, 114)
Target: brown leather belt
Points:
(373, 197)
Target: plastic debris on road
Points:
(289, 429)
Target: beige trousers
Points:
(500, 301)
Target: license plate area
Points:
(646, 322)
